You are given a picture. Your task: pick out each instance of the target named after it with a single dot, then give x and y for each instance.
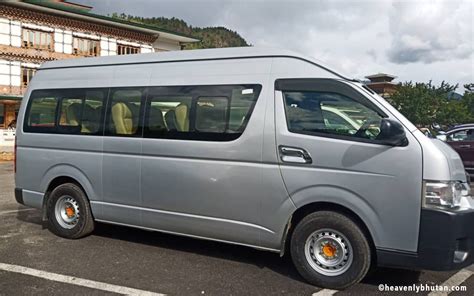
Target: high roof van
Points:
(257, 147)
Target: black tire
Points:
(83, 225)
(361, 251)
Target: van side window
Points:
(327, 113)
(123, 114)
(92, 114)
(41, 115)
(80, 111)
(210, 113)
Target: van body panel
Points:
(441, 162)
(121, 178)
(33, 198)
(364, 177)
(198, 205)
(46, 157)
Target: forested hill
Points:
(211, 37)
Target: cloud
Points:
(431, 31)
(414, 40)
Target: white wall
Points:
(166, 44)
(10, 73)
(10, 32)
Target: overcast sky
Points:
(414, 40)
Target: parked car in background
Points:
(461, 138)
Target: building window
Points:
(37, 39)
(27, 75)
(125, 49)
(86, 47)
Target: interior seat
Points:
(90, 119)
(73, 113)
(123, 119)
(170, 120)
(156, 121)
(135, 109)
(182, 117)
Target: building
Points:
(382, 84)
(32, 32)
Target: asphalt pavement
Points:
(116, 259)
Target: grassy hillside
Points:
(211, 37)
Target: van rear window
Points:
(42, 112)
(66, 111)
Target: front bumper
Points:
(445, 242)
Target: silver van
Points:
(258, 147)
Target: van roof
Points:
(185, 55)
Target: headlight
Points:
(444, 194)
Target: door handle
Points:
(465, 146)
(294, 155)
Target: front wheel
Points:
(69, 213)
(329, 250)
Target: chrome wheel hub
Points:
(328, 252)
(67, 212)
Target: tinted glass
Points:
(123, 115)
(80, 111)
(331, 114)
(42, 112)
(211, 114)
(214, 113)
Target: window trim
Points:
(326, 85)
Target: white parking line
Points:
(75, 281)
(455, 280)
(16, 211)
(325, 292)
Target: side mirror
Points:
(436, 126)
(392, 133)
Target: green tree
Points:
(211, 37)
(425, 103)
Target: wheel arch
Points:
(316, 206)
(62, 174)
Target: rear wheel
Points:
(69, 213)
(329, 250)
